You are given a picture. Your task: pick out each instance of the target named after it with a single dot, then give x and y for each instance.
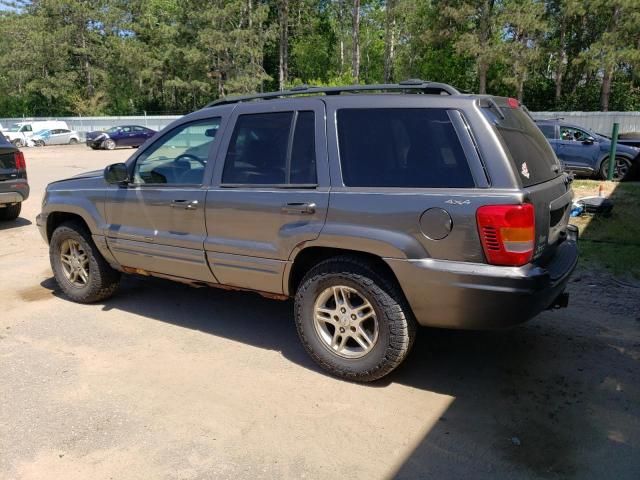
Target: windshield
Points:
(42, 133)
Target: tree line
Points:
(119, 57)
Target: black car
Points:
(14, 188)
(121, 136)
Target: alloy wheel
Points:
(75, 263)
(345, 321)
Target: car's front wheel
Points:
(109, 144)
(353, 321)
(621, 169)
(18, 142)
(79, 268)
(73, 141)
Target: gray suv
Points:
(377, 208)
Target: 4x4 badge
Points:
(525, 170)
(458, 202)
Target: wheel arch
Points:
(57, 218)
(307, 258)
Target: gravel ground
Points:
(166, 381)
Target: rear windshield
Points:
(401, 147)
(530, 152)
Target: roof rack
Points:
(412, 85)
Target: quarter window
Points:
(180, 157)
(392, 147)
(262, 150)
(549, 131)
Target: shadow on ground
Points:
(17, 223)
(525, 399)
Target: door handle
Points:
(299, 208)
(184, 204)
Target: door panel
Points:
(574, 152)
(158, 223)
(254, 228)
(146, 232)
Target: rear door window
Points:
(272, 149)
(401, 147)
(531, 154)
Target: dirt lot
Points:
(166, 381)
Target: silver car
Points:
(56, 136)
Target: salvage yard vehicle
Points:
(585, 152)
(376, 212)
(55, 136)
(14, 187)
(20, 133)
(122, 136)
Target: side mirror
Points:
(116, 174)
(588, 141)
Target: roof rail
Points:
(412, 85)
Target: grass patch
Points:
(612, 242)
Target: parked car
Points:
(585, 152)
(123, 136)
(56, 136)
(377, 213)
(20, 133)
(14, 188)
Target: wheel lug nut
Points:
(353, 329)
(343, 310)
(353, 316)
(341, 330)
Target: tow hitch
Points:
(561, 301)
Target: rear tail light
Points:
(507, 233)
(18, 158)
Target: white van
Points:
(19, 133)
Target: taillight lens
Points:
(507, 233)
(18, 158)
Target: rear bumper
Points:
(19, 193)
(478, 296)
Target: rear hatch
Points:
(540, 173)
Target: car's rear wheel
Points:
(109, 144)
(10, 212)
(621, 169)
(73, 141)
(79, 268)
(354, 322)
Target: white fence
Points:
(600, 122)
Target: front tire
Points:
(10, 212)
(354, 322)
(621, 169)
(109, 144)
(73, 141)
(80, 270)
(18, 143)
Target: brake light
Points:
(18, 158)
(507, 233)
(513, 103)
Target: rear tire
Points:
(71, 251)
(620, 170)
(10, 212)
(354, 322)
